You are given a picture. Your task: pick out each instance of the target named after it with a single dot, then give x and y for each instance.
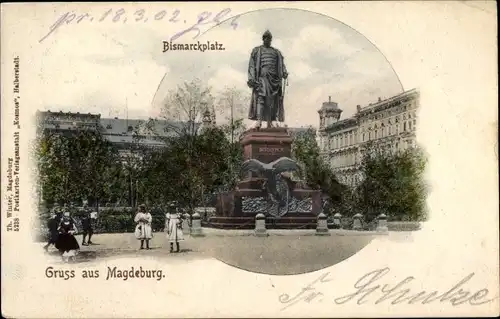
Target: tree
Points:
(316, 173)
(184, 106)
(173, 173)
(73, 165)
(233, 103)
(393, 184)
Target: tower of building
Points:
(329, 113)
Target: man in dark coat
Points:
(52, 225)
(266, 71)
(87, 228)
(57, 210)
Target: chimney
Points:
(330, 99)
(379, 99)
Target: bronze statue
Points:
(266, 74)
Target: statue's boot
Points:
(258, 125)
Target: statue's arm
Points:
(285, 71)
(251, 67)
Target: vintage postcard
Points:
(249, 159)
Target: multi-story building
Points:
(124, 133)
(390, 123)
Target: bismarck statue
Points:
(263, 187)
(266, 74)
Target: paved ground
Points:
(281, 253)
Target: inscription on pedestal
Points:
(271, 150)
(269, 153)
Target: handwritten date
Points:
(135, 16)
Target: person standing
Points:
(173, 221)
(52, 225)
(87, 228)
(143, 230)
(66, 242)
(58, 212)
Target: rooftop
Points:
(342, 124)
(330, 105)
(381, 101)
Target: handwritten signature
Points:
(140, 15)
(369, 285)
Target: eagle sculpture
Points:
(272, 173)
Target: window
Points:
(404, 126)
(389, 129)
(364, 137)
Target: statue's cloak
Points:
(277, 111)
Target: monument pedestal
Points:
(237, 209)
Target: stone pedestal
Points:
(356, 223)
(322, 227)
(266, 144)
(382, 223)
(238, 209)
(196, 230)
(260, 225)
(337, 221)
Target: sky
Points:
(120, 70)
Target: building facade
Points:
(123, 133)
(390, 123)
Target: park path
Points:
(281, 253)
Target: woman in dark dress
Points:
(66, 242)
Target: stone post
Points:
(322, 226)
(260, 225)
(337, 220)
(356, 225)
(186, 230)
(382, 223)
(196, 230)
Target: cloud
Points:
(228, 76)
(321, 40)
(300, 70)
